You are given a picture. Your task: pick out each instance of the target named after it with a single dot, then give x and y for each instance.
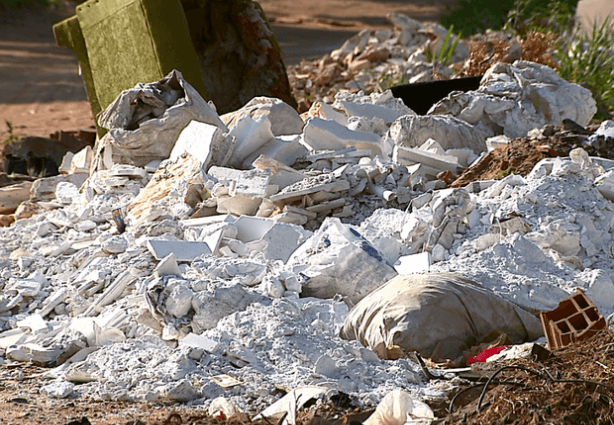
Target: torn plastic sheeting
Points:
(400, 408)
(139, 136)
(338, 260)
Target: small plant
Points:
(388, 80)
(447, 49)
(11, 130)
(543, 16)
(588, 60)
(506, 172)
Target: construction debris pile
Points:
(217, 266)
(409, 52)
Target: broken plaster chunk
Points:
(519, 97)
(409, 156)
(285, 149)
(283, 118)
(250, 136)
(246, 189)
(338, 260)
(252, 228)
(450, 132)
(414, 263)
(211, 306)
(182, 250)
(167, 266)
(145, 207)
(59, 389)
(282, 240)
(369, 110)
(115, 244)
(13, 195)
(199, 341)
(311, 185)
(322, 134)
(206, 142)
(179, 301)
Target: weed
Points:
(588, 60)
(507, 172)
(388, 80)
(447, 49)
(11, 130)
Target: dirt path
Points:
(41, 90)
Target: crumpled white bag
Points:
(159, 111)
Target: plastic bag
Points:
(399, 408)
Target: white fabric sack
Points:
(438, 315)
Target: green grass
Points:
(588, 60)
(585, 59)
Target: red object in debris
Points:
(484, 355)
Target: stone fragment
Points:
(168, 266)
(323, 134)
(339, 260)
(207, 143)
(199, 341)
(283, 118)
(181, 250)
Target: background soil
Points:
(41, 90)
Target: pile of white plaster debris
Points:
(221, 259)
